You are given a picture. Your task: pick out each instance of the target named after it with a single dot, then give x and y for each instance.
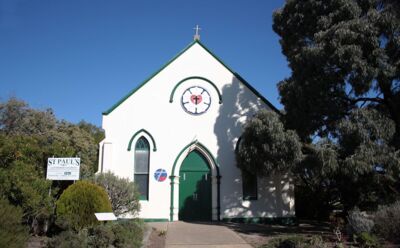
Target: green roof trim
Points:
(258, 94)
(251, 88)
(148, 79)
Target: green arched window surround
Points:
(139, 132)
(142, 164)
(171, 97)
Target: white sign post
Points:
(63, 168)
(105, 216)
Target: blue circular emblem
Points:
(160, 175)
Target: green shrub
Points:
(387, 222)
(359, 223)
(100, 236)
(366, 240)
(80, 201)
(296, 242)
(28, 189)
(123, 194)
(12, 232)
(119, 234)
(128, 233)
(69, 239)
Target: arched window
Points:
(142, 161)
(249, 180)
(249, 185)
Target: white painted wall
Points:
(173, 129)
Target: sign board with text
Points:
(63, 168)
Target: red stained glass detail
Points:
(196, 99)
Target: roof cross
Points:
(197, 35)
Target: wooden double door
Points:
(195, 188)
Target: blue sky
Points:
(79, 57)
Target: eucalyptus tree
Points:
(343, 54)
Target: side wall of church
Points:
(172, 128)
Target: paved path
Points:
(202, 235)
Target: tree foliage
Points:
(123, 194)
(364, 144)
(28, 137)
(23, 186)
(16, 118)
(356, 168)
(80, 201)
(343, 99)
(12, 232)
(343, 54)
(57, 137)
(266, 146)
(387, 220)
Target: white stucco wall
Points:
(172, 128)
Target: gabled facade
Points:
(175, 136)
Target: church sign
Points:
(63, 168)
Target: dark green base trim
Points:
(143, 198)
(155, 220)
(284, 221)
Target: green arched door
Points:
(195, 188)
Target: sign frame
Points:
(63, 169)
(106, 216)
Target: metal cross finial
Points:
(197, 35)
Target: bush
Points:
(359, 223)
(69, 239)
(100, 236)
(25, 187)
(12, 232)
(119, 234)
(79, 202)
(387, 222)
(122, 193)
(296, 242)
(128, 233)
(366, 240)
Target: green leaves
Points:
(23, 186)
(343, 97)
(342, 54)
(364, 138)
(80, 201)
(12, 233)
(266, 147)
(123, 194)
(28, 137)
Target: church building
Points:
(175, 136)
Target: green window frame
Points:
(249, 183)
(141, 169)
